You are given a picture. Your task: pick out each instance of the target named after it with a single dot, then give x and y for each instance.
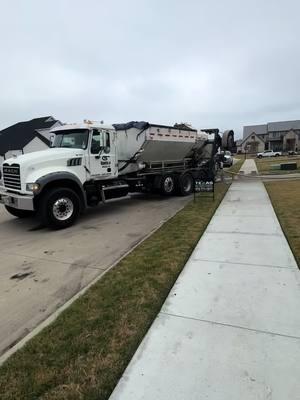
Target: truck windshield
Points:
(73, 138)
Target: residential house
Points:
(252, 143)
(25, 137)
(278, 136)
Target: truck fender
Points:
(53, 177)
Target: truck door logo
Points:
(105, 161)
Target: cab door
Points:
(103, 163)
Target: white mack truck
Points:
(93, 162)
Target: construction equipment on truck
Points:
(92, 162)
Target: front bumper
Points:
(16, 200)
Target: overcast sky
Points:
(211, 63)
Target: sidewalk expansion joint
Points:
(245, 233)
(218, 214)
(243, 263)
(230, 325)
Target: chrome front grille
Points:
(11, 176)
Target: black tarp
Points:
(132, 124)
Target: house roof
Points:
(271, 127)
(258, 129)
(15, 137)
(283, 126)
(250, 134)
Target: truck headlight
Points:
(32, 187)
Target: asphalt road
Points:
(41, 269)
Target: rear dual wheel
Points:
(167, 185)
(185, 184)
(171, 184)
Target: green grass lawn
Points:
(84, 352)
(264, 164)
(285, 197)
(236, 167)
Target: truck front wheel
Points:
(59, 208)
(20, 213)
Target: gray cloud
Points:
(214, 64)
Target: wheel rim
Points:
(168, 185)
(187, 184)
(63, 209)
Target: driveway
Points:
(41, 269)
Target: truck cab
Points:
(58, 183)
(98, 144)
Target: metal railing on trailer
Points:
(167, 166)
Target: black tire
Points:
(20, 213)
(259, 156)
(167, 185)
(59, 208)
(185, 184)
(276, 155)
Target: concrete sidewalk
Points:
(230, 327)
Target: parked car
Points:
(269, 153)
(227, 160)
